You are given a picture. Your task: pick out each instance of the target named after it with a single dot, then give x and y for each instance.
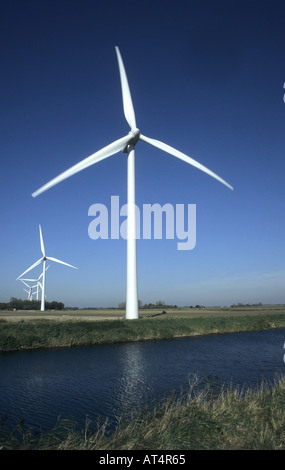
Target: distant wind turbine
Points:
(127, 145)
(43, 260)
(30, 291)
(37, 285)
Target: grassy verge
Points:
(232, 420)
(52, 333)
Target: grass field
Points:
(117, 314)
(29, 330)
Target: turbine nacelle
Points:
(136, 135)
(134, 138)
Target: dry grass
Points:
(231, 420)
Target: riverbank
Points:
(63, 331)
(205, 420)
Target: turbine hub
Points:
(135, 135)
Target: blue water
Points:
(108, 380)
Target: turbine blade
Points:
(31, 267)
(107, 151)
(62, 262)
(182, 156)
(23, 281)
(42, 242)
(127, 99)
(41, 275)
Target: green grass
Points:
(254, 419)
(52, 333)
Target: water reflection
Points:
(133, 386)
(112, 380)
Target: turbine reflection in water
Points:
(134, 385)
(111, 380)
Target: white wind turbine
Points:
(127, 144)
(37, 285)
(30, 291)
(36, 292)
(43, 260)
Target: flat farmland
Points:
(118, 314)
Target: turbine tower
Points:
(43, 275)
(127, 144)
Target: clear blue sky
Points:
(205, 77)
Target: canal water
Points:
(111, 380)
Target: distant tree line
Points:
(19, 304)
(158, 304)
(240, 304)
